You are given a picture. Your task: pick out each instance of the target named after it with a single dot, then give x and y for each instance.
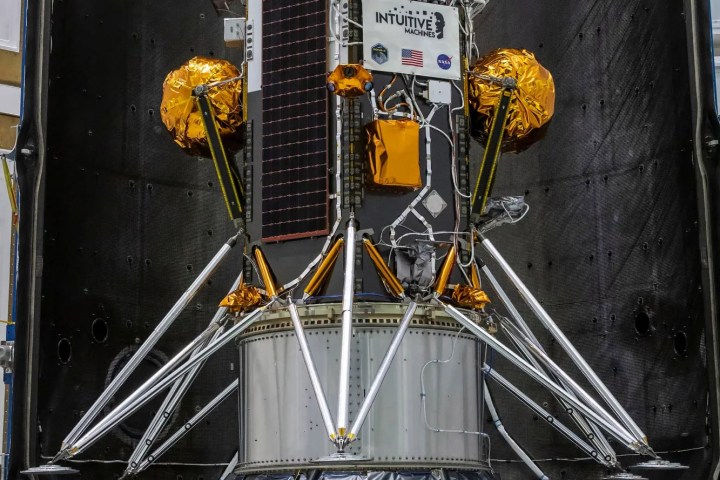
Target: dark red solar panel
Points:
(295, 139)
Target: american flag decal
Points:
(414, 58)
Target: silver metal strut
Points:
(177, 392)
(508, 439)
(312, 372)
(559, 372)
(231, 466)
(382, 371)
(154, 386)
(545, 415)
(189, 425)
(163, 371)
(548, 322)
(347, 311)
(148, 344)
(607, 422)
(172, 399)
(589, 429)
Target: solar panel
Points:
(295, 139)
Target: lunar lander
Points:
(340, 365)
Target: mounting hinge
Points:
(7, 356)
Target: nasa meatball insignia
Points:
(444, 61)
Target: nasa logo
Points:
(444, 61)
(379, 53)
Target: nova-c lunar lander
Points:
(369, 110)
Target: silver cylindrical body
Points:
(283, 427)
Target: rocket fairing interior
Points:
(391, 298)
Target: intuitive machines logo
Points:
(415, 22)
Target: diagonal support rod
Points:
(605, 421)
(589, 429)
(565, 343)
(157, 384)
(566, 380)
(545, 415)
(382, 371)
(173, 398)
(539, 474)
(347, 311)
(148, 344)
(312, 372)
(189, 425)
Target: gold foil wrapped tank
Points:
(181, 115)
(533, 102)
(393, 154)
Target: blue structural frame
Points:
(10, 327)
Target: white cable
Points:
(423, 394)
(428, 182)
(526, 459)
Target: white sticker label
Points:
(411, 37)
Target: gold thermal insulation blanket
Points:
(242, 299)
(180, 112)
(393, 153)
(532, 104)
(349, 80)
(468, 297)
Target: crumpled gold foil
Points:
(468, 297)
(393, 153)
(532, 104)
(181, 115)
(242, 299)
(349, 80)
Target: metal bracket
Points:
(7, 359)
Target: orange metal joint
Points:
(391, 282)
(475, 276)
(324, 270)
(445, 271)
(265, 272)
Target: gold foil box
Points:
(393, 153)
